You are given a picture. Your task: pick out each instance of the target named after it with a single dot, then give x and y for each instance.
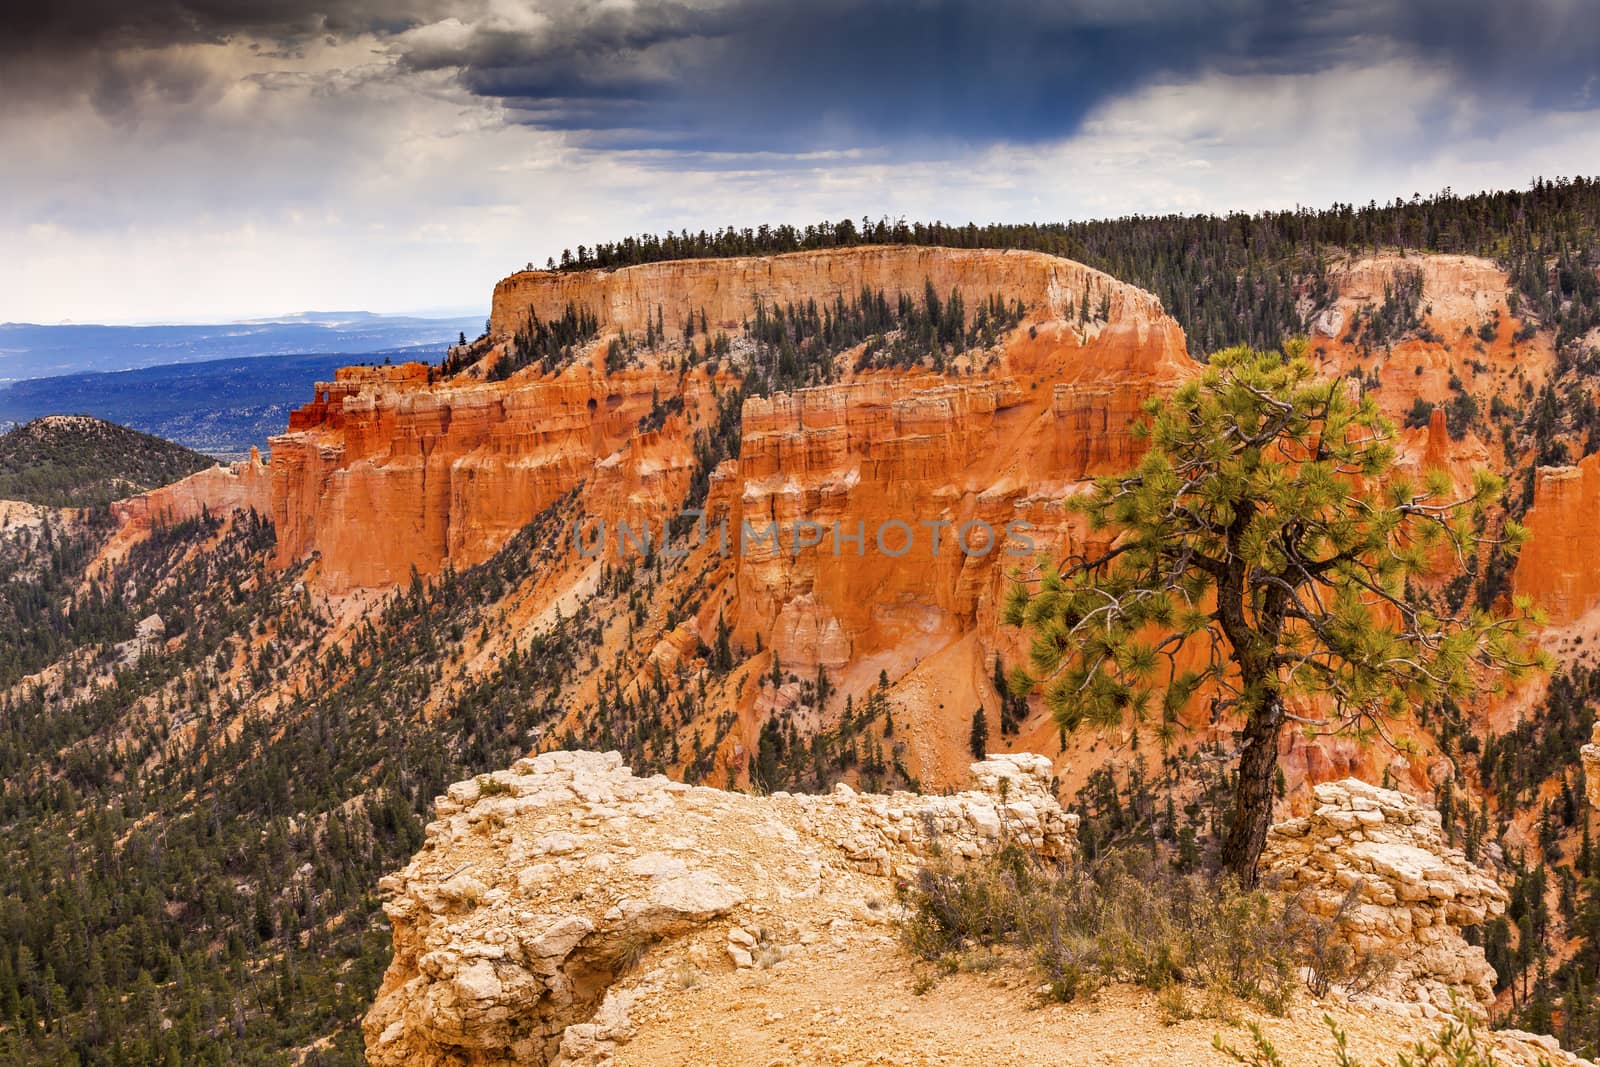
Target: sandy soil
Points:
(861, 1007)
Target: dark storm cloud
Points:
(832, 73)
(776, 76)
(791, 77)
(117, 53)
(75, 25)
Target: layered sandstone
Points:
(386, 469)
(1409, 893)
(726, 290)
(390, 469)
(1557, 566)
(1468, 339)
(218, 491)
(540, 888)
(1460, 297)
(957, 460)
(382, 475)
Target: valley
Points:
(198, 809)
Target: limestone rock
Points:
(1535, 1050)
(1412, 892)
(514, 922)
(1591, 767)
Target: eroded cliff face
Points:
(962, 460)
(384, 472)
(1466, 340)
(390, 469)
(726, 290)
(219, 490)
(1558, 565)
(1465, 325)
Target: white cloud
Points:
(236, 182)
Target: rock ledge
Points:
(1412, 891)
(540, 886)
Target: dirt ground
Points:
(862, 1007)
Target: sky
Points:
(221, 159)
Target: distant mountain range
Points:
(221, 407)
(217, 388)
(28, 350)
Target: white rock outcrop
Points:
(539, 886)
(1591, 767)
(1413, 892)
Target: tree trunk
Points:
(1252, 796)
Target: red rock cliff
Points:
(974, 454)
(218, 490)
(727, 289)
(1557, 566)
(384, 471)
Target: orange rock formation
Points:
(383, 471)
(393, 468)
(219, 490)
(727, 289)
(1555, 567)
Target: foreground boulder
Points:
(538, 887)
(1409, 893)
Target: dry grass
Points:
(1128, 917)
(1455, 1044)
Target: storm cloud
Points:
(776, 76)
(202, 158)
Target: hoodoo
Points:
(1557, 566)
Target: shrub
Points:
(1421, 411)
(1127, 916)
(489, 786)
(1326, 960)
(950, 908)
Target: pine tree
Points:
(722, 655)
(978, 739)
(1267, 530)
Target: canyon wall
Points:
(386, 470)
(727, 289)
(383, 473)
(1555, 567)
(219, 491)
(392, 468)
(1469, 337)
(900, 460)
